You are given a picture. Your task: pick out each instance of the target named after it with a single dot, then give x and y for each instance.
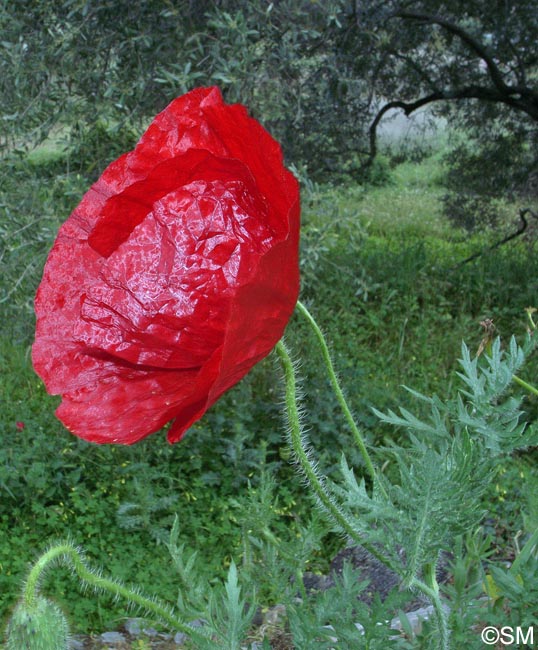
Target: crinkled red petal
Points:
(177, 273)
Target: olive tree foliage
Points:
(315, 72)
(76, 65)
(476, 63)
(81, 79)
(71, 64)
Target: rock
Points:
(275, 615)
(314, 582)
(112, 638)
(133, 626)
(198, 622)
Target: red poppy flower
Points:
(177, 273)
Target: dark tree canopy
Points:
(438, 51)
(474, 62)
(315, 73)
(121, 61)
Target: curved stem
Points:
(432, 593)
(314, 481)
(525, 553)
(67, 553)
(525, 385)
(340, 395)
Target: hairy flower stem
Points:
(340, 395)
(430, 589)
(69, 554)
(309, 471)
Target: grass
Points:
(409, 206)
(381, 275)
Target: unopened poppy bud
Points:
(39, 626)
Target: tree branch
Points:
(464, 36)
(407, 107)
(527, 95)
(519, 97)
(523, 226)
(467, 92)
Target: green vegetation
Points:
(314, 73)
(382, 274)
(223, 518)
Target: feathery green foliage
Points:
(430, 493)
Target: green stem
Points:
(314, 481)
(431, 591)
(67, 553)
(525, 553)
(525, 385)
(340, 395)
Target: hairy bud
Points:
(40, 626)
